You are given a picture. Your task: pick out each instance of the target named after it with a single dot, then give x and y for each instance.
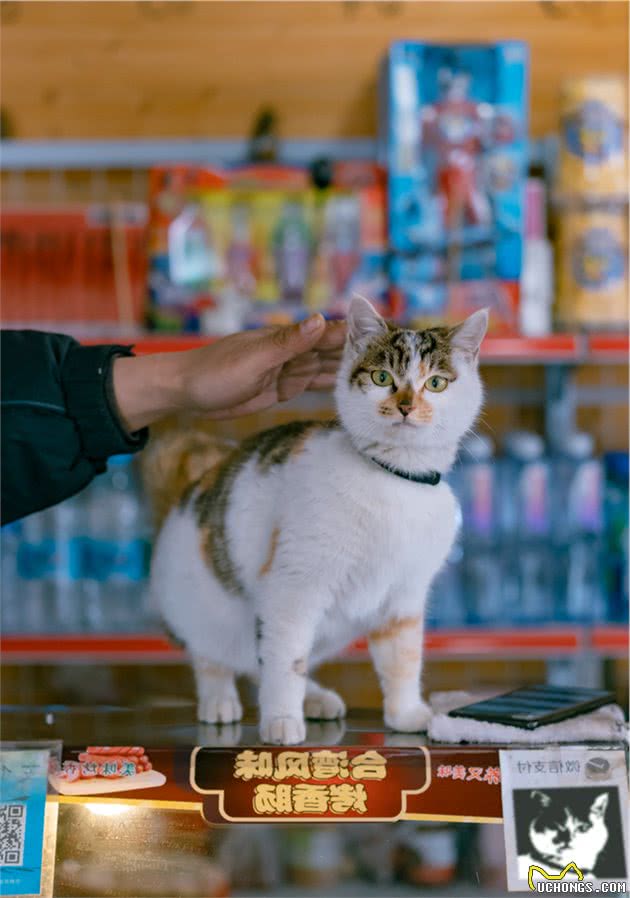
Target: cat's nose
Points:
(404, 408)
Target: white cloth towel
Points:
(606, 724)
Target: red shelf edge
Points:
(560, 640)
(614, 344)
(145, 345)
(555, 346)
(611, 638)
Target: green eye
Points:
(382, 378)
(436, 384)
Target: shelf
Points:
(611, 640)
(149, 343)
(88, 155)
(90, 648)
(614, 347)
(529, 350)
(536, 642)
(557, 348)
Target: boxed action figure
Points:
(260, 244)
(454, 139)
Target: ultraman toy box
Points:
(454, 139)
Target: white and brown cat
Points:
(275, 554)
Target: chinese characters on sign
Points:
(491, 775)
(555, 765)
(314, 795)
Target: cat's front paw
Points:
(219, 708)
(282, 730)
(414, 719)
(324, 704)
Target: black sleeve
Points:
(59, 419)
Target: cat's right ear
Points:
(364, 322)
(542, 797)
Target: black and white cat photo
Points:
(556, 827)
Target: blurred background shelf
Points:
(567, 349)
(543, 642)
(139, 153)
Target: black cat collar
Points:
(432, 478)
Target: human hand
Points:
(243, 373)
(252, 370)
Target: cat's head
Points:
(569, 832)
(408, 397)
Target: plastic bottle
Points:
(10, 598)
(482, 563)
(116, 549)
(445, 605)
(190, 252)
(526, 524)
(68, 521)
(616, 514)
(35, 573)
(537, 273)
(577, 514)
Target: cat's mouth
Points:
(411, 422)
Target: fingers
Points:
(287, 342)
(289, 387)
(333, 337)
(323, 382)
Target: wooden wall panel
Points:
(105, 69)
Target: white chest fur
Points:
(342, 524)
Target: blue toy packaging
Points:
(453, 135)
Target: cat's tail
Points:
(175, 460)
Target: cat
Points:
(570, 829)
(278, 553)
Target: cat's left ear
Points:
(468, 335)
(598, 808)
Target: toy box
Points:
(454, 139)
(260, 245)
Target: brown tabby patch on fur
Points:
(394, 628)
(270, 448)
(273, 546)
(393, 352)
(175, 461)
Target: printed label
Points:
(23, 785)
(597, 259)
(565, 817)
(593, 132)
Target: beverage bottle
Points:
(68, 521)
(117, 548)
(537, 273)
(10, 598)
(481, 568)
(526, 525)
(35, 573)
(616, 524)
(445, 605)
(577, 517)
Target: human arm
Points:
(243, 373)
(59, 423)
